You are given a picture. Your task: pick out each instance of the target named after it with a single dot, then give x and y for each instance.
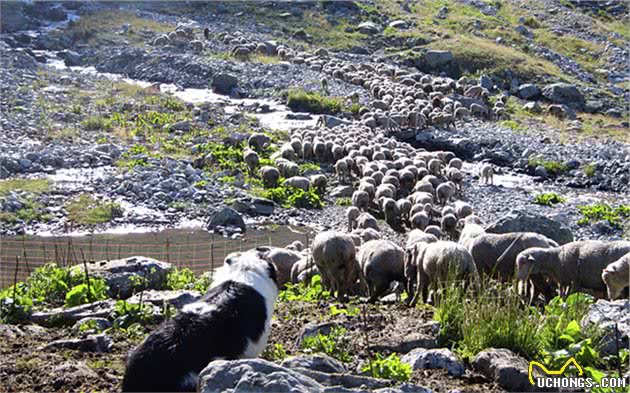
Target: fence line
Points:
(183, 252)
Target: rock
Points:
(227, 217)
(72, 374)
(562, 111)
(316, 362)
(398, 24)
(183, 125)
(56, 14)
(421, 358)
(342, 192)
(605, 314)
(347, 381)
(312, 329)
(486, 82)
(121, 274)
(253, 375)
(177, 299)
(13, 18)
(71, 58)
(504, 367)
(564, 93)
(522, 30)
(407, 343)
(528, 91)
(12, 331)
(520, 221)
(100, 323)
(540, 171)
(369, 28)
(593, 106)
(437, 58)
(224, 83)
(68, 316)
(95, 343)
(533, 107)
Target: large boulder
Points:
(437, 58)
(224, 83)
(225, 218)
(613, 319)
(13, 17)
(253, 375)
(521, 221)
(129, 275)
(504, 367)
(564, 93)
(316, 362)
(528, 91)
(421, 358)
(71, 58)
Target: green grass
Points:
(309, 166)
(548, 199)
(602, 211)
(302, 101)
(31, 211)
(35, 186)
(589, 169)
(97, 123)
(553, 168)
(252, 58)
(85, 210)
(291, 196)
(301, 292)
(512, 124)
(344, 201)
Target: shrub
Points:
(332, 344)
(601, 211)
(390, 367)
(79, 294)
(302, 101)
(532, 22)
(178, 279)
(552, 167)
(292, 196)
(85, 210)
(548, 199)
(97, 123)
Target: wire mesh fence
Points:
(198, 250)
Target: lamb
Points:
(283, 259)
(258, 141)
(616, 276)
(433, 262)
(298, 182)
(444, 192)
(391, 212)
(486, 174)
(231, 321)
(366, 220)
(404, 207)
(270, 176)
(575, 266)
(448, 223)
(381, 262)
(419, 236)
(352, 213)
(319, 182)
(303, 270)
(334, 255)
(251, 159)
(420, 220)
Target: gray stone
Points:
(177, 299)
(347, 381)
(101, 323)
(504, 367)
(71, 58)
(312, 330)
(12, 331)
(540, 171)
(437, 58)
(224, 83)
(521, 221)
(342, 192)
(421, 358)
(183, 125)
(564, 93)
(405, 344)
(528, 91)
(398, 24)
(605, 315)
(486, 82)
(533, 107)
(69, 316)
(562, 111)
(593, 106)
(227, 217)
(369, 28)
(122, 275)
(253, 375)
(95, 343)
(316, 362)
(73, 371)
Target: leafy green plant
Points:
(343, 201)
(553, 168)
(15, 304)
(309, 166)
(390, 367)
(178, 279)
(602, 211)
(332, 344)
(589, 169)
(97, 123)
(302, 101)
(548, 199)
(127, 314)
(275, 353)
(81, 294)
(351, 311)
(304, 293)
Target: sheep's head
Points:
(529, 262)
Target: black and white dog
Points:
(231, 321)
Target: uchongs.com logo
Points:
(573, 379)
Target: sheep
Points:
(334, 255)
(303, 270)
(283, 259)
(258, 141)
(391, 212)
(456, 176)
(367, 234)
(417, 236)
(352, 213)
(456, 163)
(366, 220)
(471, 229)
(448, 223)
(342, 171)
(575, 266)
(298, 182)
(381, 262)
(420, 220)
(463, 209)
(295, 246)
(270, 176)
(435, 231)
(287, 152)
(404, 207)
(616, 277)
(486, 174)
(444, 192)
(495, 254)
(434, 166)
(251, 159)
(319, 183)
(433, 262)
(361, 200)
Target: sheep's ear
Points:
(531, 258)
